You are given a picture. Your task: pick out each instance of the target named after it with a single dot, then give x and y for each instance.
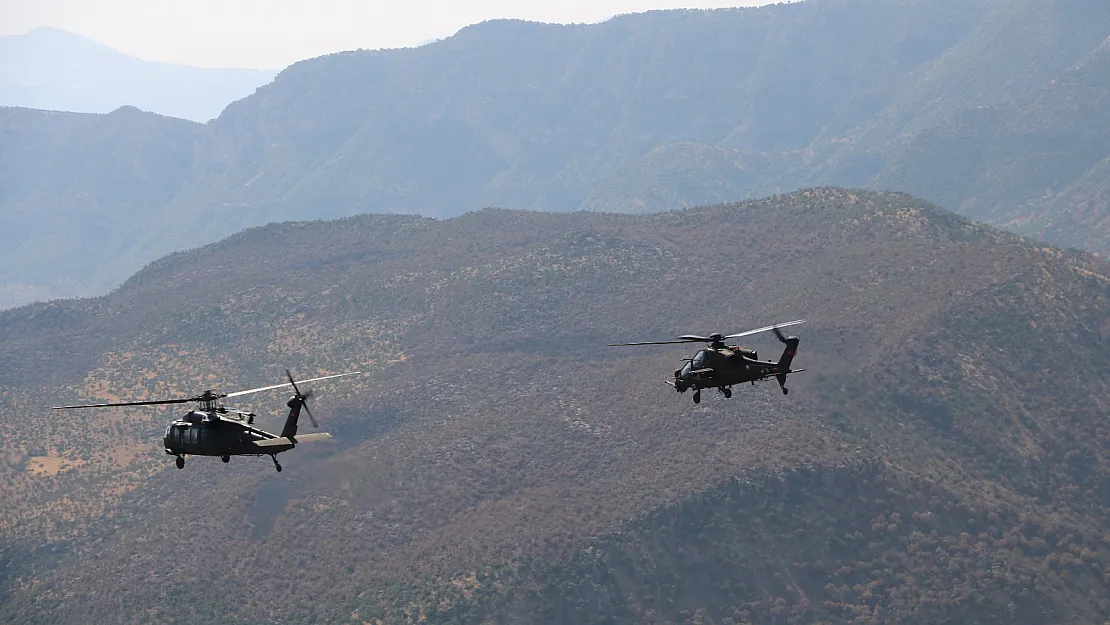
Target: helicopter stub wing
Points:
(284, 440)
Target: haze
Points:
(276, 33)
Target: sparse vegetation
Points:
(942, 459)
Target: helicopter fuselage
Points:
(206, 434)
(720, 366)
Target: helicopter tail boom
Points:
(783, 366)
(290, 428)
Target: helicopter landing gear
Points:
(727, 392)
(180, 462)
(697, 396)
(226, 458)
(785, 391)
(277, 465)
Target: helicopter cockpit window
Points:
(686, 369)
(698, 360)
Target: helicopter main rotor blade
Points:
(129, 403)
(758, 330)
(650, 343)
(269, 388)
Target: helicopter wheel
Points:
(785, 390)
(226, 458)
(727, 392)
(277, 465)
(180, 462)
(697, 396)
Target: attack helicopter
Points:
(213, 429)
(720, 366)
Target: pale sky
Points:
(271, 34)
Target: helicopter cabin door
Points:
(189, 439)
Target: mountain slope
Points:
(1013, 112)
(992, 107)
(52, 69)
(529, 115)
(104, 172)
(499, 463)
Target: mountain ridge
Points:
(499, 153)
(494, 441)
(991, 108)
(53, 69)
(973, 104)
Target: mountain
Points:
(992, 107)
(942, 459)
(79, 216)
(52, 69)
(1007, 119)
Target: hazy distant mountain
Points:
(998, 109)
(56, 70)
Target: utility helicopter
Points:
(720, 366)
(213, 429)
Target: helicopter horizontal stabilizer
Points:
(771, 376)
(304, 438)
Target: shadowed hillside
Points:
(942, 459)
(992, 107)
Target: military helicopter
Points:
(720, 366)
(213, 429)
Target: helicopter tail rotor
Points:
(783, 366)
(303, 397)
(296, 403)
